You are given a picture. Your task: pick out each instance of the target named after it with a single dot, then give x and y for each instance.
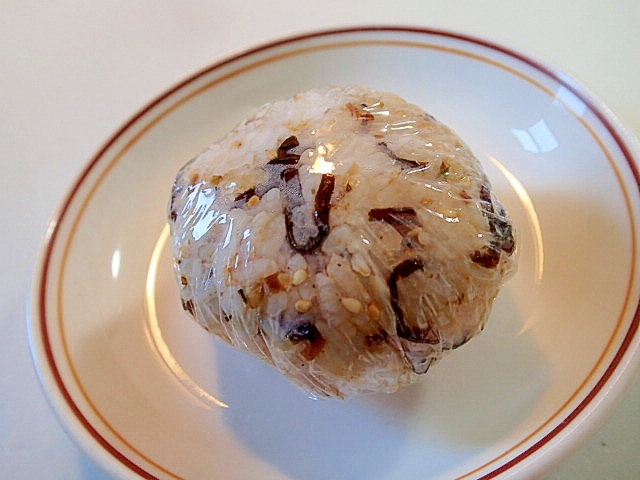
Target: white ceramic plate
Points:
(148, 393)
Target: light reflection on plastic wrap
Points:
(115, 264)
(203, 198)
(403, 125)
(320, 165)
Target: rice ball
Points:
(344, 236)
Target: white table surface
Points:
(72, 72)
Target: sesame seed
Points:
(253, 201)
(351, 304)
(299, 276)
(359, 265)
(374, 312)
(423, 238)
(302, 305)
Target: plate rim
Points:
(36, 315)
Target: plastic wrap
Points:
(342, 235)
